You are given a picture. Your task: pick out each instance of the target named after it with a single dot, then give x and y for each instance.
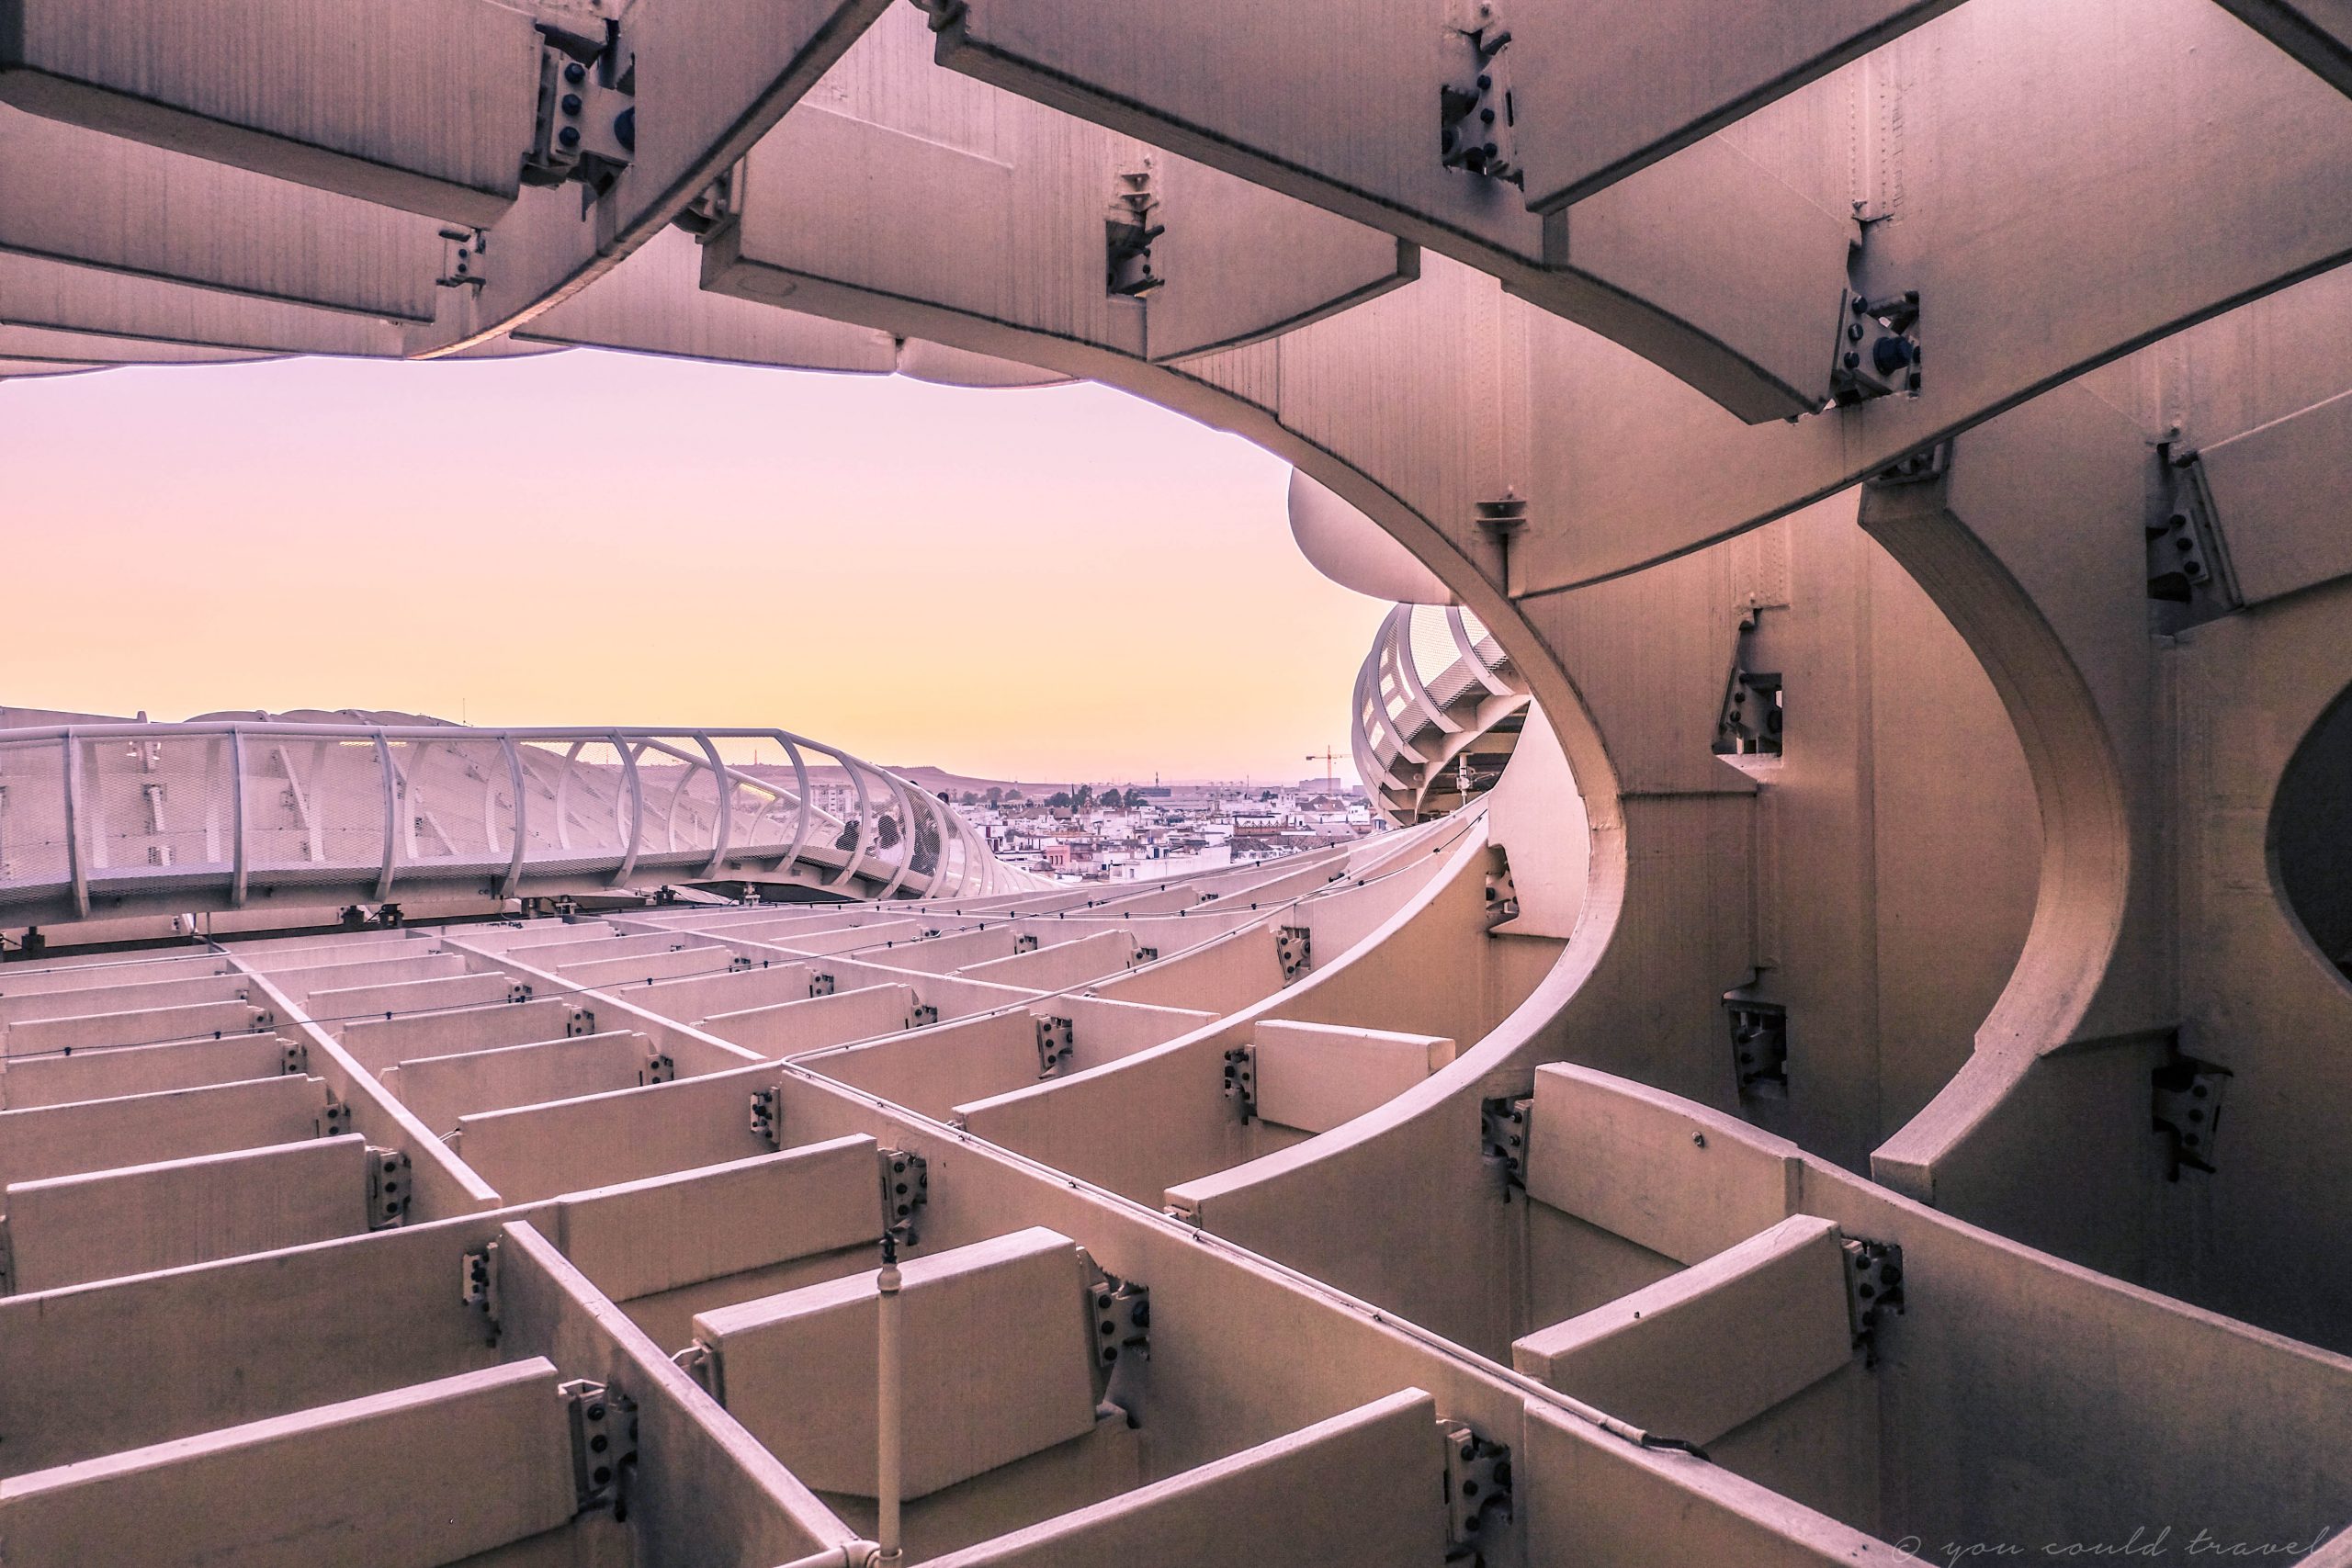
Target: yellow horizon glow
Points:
(1057, 584)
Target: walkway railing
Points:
(1434, 684)
(217, 814)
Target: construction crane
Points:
(1330, 760)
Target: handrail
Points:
(959, 858)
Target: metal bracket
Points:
(1296, 946)
(2188, 1109)
(604, 1441)
(585, 128)
(922, 1015)
(583, 1021)
(660, 1068)
(294, 1058)
(1057, 1042)
(1477, 1486)
(1918, 467)
(464, 264)
(1121, 1310)
(1874, 1284)
(1760, 1046)
(767, 1115)
(480, 1285)
(336, 1120)
(1145, 955)
(1025, 943)
(906, 1187)
(1241, 1078)
(1751, 722)
(387, 1187)
(821, 985)
(1476, 118)
(1502, 893)
(719, 201)
(1128, 232)
(2190, 575)
(698, 1362)
(1878, 348)
(1503, 1130)
(520, 992)
(738, 964)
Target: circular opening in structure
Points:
(2311, 835)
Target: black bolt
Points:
(1469, 1489)
(602, 1475)
(571, 103)
(596, 1413)
(1853, 332)
(575, 73)
(599, 1443)
(570, 137)
(1852, 359)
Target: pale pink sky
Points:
(1063, 582)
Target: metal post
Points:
(891, 1478)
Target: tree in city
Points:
(1058, 798)
(1085, 797)
(996, 794)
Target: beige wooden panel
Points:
(1316, 1076)
(416, 1478)
(1050, 968)
(142, 1129)
(704, 995)
(639, 1238)
(97, 201)
(301, 984)
(602, 971)
(408, 996)
(132, 997)
(1219, 976)
(547, 952)
(429, 108)
(1657, 1170)
(132, 1221)
(1664, 1508)
(998, 1339)
(712, 76)
(25, 980)
(441, 1089)
(816, 1021)
(1364, 1489)
(35, 1037)
(1712, 1347)
(570, 1146)
(1727, 302)
(882, 936)
(895, 184)
(653, 303)
(933, 1071)
(2279, 494)
(32, 1081)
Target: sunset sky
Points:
(1054, 583)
